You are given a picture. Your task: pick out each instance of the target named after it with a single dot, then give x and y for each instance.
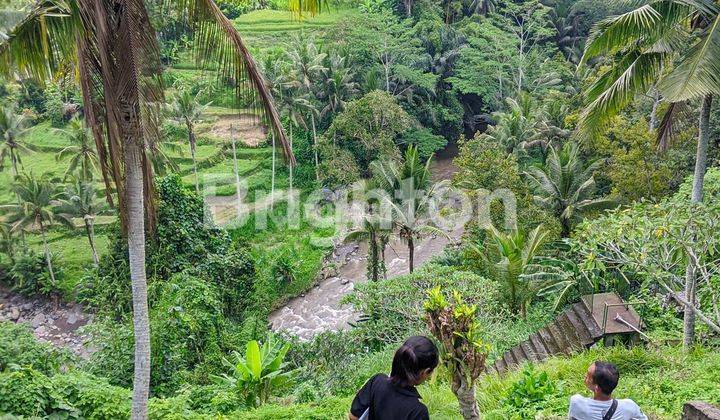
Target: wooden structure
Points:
(602, 316)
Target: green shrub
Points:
(331, 408)
(29, 275)
(336, 363)
(259, 372)
(184, 236)
(174, 408)
(18, 347)
(530, 392)
(186, 325)
(27, 392)
(391, 308)
(94, 397)
(426, 142)
(233, 274)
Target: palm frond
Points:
(43, 42)
(666, 129)
(641, 72)
(641, 26)
(698, 73)
(218, 44)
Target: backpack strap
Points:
(611, 411)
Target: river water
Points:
(320, 309)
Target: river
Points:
(320, 309)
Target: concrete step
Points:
(593, 328)
(529, 351)
(560, 339)
(539, 346)
(571, 336)
(520, 356)
(580, 329)
(550, 344)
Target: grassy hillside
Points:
(271, 28)
(659, 380)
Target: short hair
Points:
(414, 356)
(606, 376)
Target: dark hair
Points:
(414, 356)
(606, 377)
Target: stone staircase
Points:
(576, 329)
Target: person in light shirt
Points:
(601, 379)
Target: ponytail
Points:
(416, 355)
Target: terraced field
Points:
(267, 28)
(261, 30)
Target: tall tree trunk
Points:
(465, 393)
(136, 252)
(13, 160)
(384, 238)
(408, 8)
(237, 173)
(90, 230)
(315, 149)
(291, 167)
(697, 197)
(272, 177)
(411, 252)
(48, 259)
(653, 113)
(191, 140)
(374, 263)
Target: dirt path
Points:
(247, 129)
(320, 310)
(56, 324)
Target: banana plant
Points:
(261, 369)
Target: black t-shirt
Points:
(387, 401)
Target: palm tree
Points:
(82, 154)
(336, 85)
(375, 230)
(113, 46)
(12, 127)
(186, 108)
(516, 127)
(409, 191)
(566, 186)
(37, 198)
(307, 62)
(683, 36)
(511, 259)
(645, 42)
(7, 241)
(81, 201)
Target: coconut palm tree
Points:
(566, 186)
(672, 46)
(186, 109)
(307, 62)
(375, 228)
(336, 85)
(114, 48)
(409, 191)
(645, 43)
(7, 241)
(36, 209)
(80, 200)
(511, 259)
(12, 127)
(517, 126)
(82, 154)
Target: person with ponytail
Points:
(394, 397)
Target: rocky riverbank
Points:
(57, 323)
